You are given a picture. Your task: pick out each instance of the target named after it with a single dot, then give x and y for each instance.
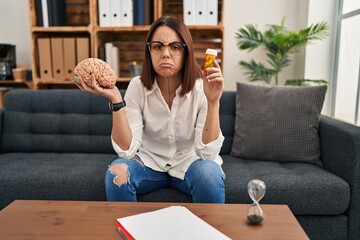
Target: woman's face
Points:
(168, 61)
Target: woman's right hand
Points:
(112, 94)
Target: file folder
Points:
(69, 57)
(212, 12)
(108, 53)
(189, 12)
(57, 57)
(57, 12)
(115, 12)
(45, 13)
(149, 12)
(115, 60)
(82, 49)
(159, 225)
(45, 57)
(139, 12)
(127, 14)
(39, 14)
(112, 57)
(200, 12)
(104, 13)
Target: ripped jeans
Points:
(125, 178)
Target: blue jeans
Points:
(203, 181)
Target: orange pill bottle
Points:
(210, 56)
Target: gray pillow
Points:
(278, 123)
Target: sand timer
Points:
(256, 190)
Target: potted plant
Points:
(279, 43)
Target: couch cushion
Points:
(306, 188)
(56, 121)
(227, 119)
(53, 176)
(278, 123)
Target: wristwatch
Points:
(117, 106)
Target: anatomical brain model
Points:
(104, 75)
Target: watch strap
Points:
(117, 106)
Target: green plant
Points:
(279, 43)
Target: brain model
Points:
(105, 76)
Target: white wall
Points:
(319, 56)
(237, 13)
(15, 28)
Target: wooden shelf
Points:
(84, 20)
(60, 29)
(13, 83)
(123, 29)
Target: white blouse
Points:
(168, 140)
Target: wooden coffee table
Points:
(28, 219)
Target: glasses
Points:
(175, 48)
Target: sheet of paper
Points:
(175, 222)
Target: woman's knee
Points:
(206, 168)
(205, 172)
(118, 172)
(206, 181)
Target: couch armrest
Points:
(340, 154)
(2, 112)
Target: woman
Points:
(166, 131)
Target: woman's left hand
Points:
(213, 83)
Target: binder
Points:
(127, 14)
(57, 57)
(200, 12)
(212, 12)
(50, 12)
(189, 12)
(108, 54)
(143, 12)
(45, 57)
(82, 49)
(115, 60)
(149, 12)
(69, 57)
(139, 12)
(112, 57)
(160, 225)
(56, 12)
(104, 13)
(39, 14)
(125, 235)
(115, 11)
(45, 15)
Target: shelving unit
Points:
(83, 16)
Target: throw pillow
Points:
(278, 123)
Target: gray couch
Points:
(55, 144)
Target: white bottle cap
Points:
(211, 51)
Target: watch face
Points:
(111, 106)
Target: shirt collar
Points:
(154, 87)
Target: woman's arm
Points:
(213, 89)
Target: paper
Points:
(175, 222)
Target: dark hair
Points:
(190, 70)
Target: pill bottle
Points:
(210, 56)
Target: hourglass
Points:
(256, 190)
